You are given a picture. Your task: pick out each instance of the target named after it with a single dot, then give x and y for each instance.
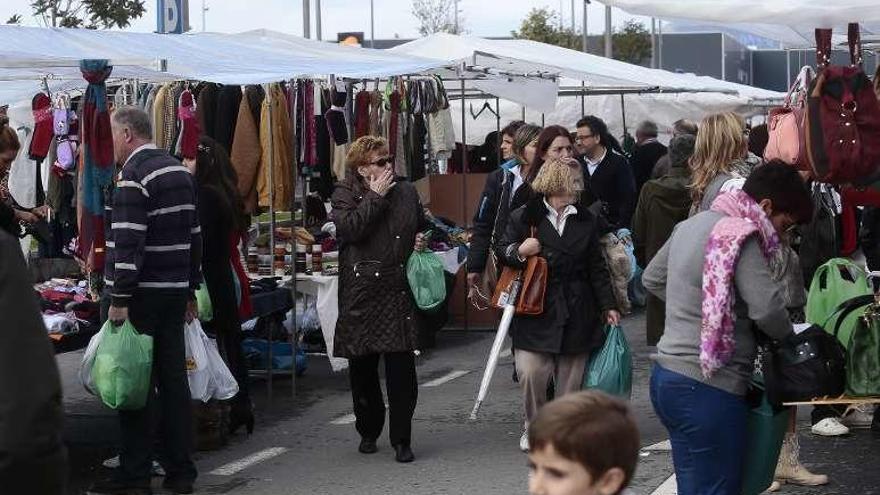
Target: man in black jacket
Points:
(646, 154)
(607, 173)
(152, 269)
(32, 456)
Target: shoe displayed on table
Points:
(367, 446)
(403, 453)
(524, 441)
(789, 468)
(178, 486)
(860, 417)
(113, 486)
(829, 427)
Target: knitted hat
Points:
(680, 150)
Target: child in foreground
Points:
(583, 444)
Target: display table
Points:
(836, 401)
(274, 305)
(326, 290)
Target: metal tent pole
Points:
(307, 19)
(464, 157)
(623, 112)
(498, 126)
(583, 99)
(271, 231)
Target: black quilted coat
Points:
(376, 236)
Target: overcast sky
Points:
(392, 17)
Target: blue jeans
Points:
(707, 428)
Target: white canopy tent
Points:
(220, 58)
(656, 94)
(791, 22)
(597, 73)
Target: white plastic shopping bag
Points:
(88, 361)
(222, 385)
(197, 368)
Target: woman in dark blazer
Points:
(553, 224)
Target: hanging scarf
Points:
(188, 141)
(41, 106)
(97, 162)
(743, 218)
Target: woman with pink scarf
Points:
(705, 358)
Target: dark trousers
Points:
(707, 430)
(160, 314)
(369, 406)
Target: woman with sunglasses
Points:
(378, 223)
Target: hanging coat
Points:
(246, 155)
(159, 116)
(281, 143)
(377, 236)
(228, 102)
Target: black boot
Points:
(368, 446)
(241, 414)
(403, 453)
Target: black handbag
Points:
(804, 366)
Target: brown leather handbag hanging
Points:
(527, 285)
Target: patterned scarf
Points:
(743, 218)
(97, 169)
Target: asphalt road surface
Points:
(307, 444)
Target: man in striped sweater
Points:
(152, 268)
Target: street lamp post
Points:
(455, 7)
(608, 47)
(318, 19)
(307, 19)
(372, 26)
(586, 27)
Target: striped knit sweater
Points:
(154, 241)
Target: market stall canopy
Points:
(791, 22)
(220, 58)
(597, 73)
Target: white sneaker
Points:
(830, 427)
(524, 442)
(860, 417)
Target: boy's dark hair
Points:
(511, 128)
(759, 136)
(781, 184)
(591, 428)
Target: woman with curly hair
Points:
(578, 301)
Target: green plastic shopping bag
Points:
(203, 303)
(123, 365)
(837, 281)
(424, 271)
(610, 369)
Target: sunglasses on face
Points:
(381, 162)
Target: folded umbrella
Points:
(500, 335)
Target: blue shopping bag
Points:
(610, 369)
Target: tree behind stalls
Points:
(542, 25)
(90, 14)
(436, 16)
(633, 43)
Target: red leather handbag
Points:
(843, 117)
(786, 124)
